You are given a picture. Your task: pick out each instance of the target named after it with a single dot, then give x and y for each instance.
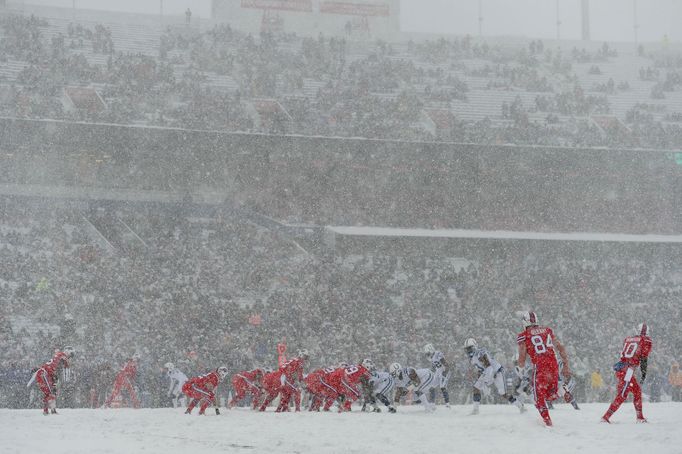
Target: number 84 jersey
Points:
(539, 343)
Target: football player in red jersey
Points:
(292, 375)
(202, 389)
(272, 383)
(125, 379)
(320, 391)
(247, 381)
(46, 378)
(635, 353)
(538, 342)
(345, 382)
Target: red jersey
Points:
(635, 349)
(129, 369)
(293, 369)
(272, 380)
(539, 344)
(52, 365)
(202, 381)
(252, 376)
(313, 378)
(352, 375)
(356, 374)
(326, 372)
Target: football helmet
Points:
(530, 319)
(470, 345)
(394, 368)
(368, 364)
(303, 353)
(222, 372)
(429, 350)
(69, 351)
(135, 357)
(643, 330)
(169, 366)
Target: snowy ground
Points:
(498, 429)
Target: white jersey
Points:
(403, 380)
(437, 362)
(427, 380)
(177, 379)
(382, 383)
(477, 360)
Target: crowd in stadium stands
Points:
(200, 291)
(226, 80)
(203, 291)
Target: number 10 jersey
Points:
(635, 349)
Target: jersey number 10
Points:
(629, 349)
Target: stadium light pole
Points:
(634, 17)
(480, 18)
(558, 21)
(586, 20)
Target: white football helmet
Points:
(368, 364)
(470, 342)
(530, 319)
(643, 330)
(429, 350)
(470, 345)
(343, 364)
(69, 351)
(303, 353)
(222, 372)
(169, 366)
(394, 368)
(135, 357)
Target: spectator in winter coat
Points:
(597, 385)
(675, 380)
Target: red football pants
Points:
(627, 383)
(349, 392)
(46, 385)
(241, 388)
(545, 387)
(197, 395)
(123, 382)
(287, 390)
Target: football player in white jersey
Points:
(423, 380)
(441, 368)
(177, 380)
(382, 385)
(490, 373)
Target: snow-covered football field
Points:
(498, 429)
